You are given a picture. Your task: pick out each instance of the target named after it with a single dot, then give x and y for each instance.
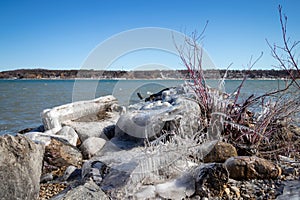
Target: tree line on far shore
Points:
(147, 74)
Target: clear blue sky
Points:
(60, 34)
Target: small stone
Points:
(236, 190)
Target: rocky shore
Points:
(155, 149)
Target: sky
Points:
(62, 34)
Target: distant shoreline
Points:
(44, 74)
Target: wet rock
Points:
(20, 167)
(245, 168)
(61, 154)
(220, 153)
(69, 134)
(91, 146)
(211, 179)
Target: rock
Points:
(146, 192)
(20, 167)
(88, 191)
(104, 129)
(91, 146)
(246, 168)
(149, 119)
(45, 138)
(210, 179)
(290, 191)
(55, 117)
(177, 189)
(46, 177)
(220, 153)
(61, 154)
(71, 170)
(69, 134)
(38, 137)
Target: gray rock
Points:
(88, 191)
(46, 177)
(103, 129)
(71, 169)
(91, 146)
(20, 167)
(69, 134)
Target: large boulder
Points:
(251, 167)
(174, 111)
(20, 167)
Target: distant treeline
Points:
(153, 74)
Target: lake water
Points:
(22, 101)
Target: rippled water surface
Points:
(22, 101)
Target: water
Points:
(22, 101)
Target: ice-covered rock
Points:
(174, 111)
(66, 133)
(91, 146)
(54, 118)
(146, 192)
(177, 189)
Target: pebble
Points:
(48, 190)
